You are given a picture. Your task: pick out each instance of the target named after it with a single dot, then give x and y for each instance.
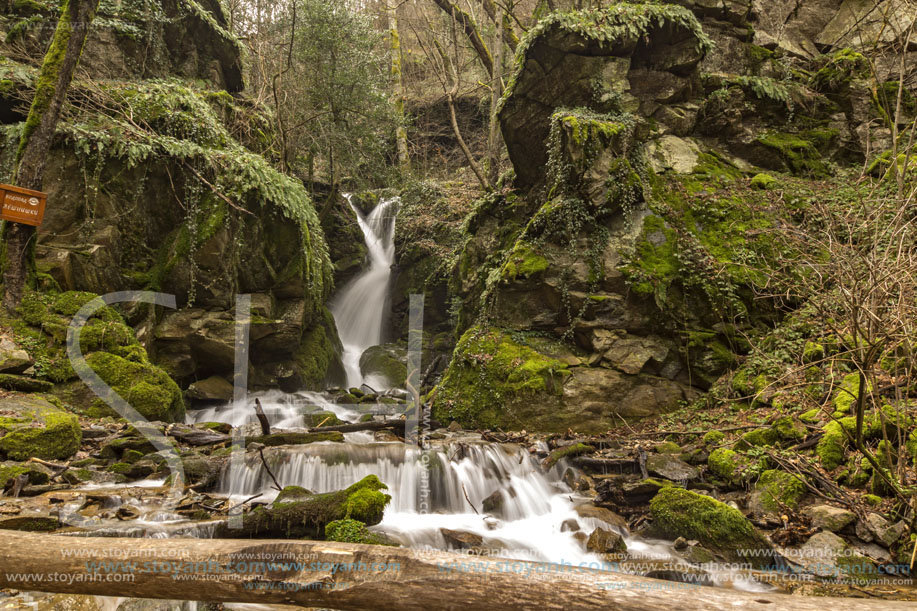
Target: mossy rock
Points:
(576, 449)
(353, 531)
(762, 437)
(725, 531)
(832, 447)
(846, 395)
(490, 374)
(763, 181)
(713, 438)
(386, 362)
(776, 491)
(322, 418)
(728, 465)
(787, 429)
(37, 474)
(147, 388)
(39, 430)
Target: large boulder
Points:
(626, 57)
(232, 225)
(31, 427)
(187, 38)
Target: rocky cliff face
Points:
(160, 179)
(618, 278)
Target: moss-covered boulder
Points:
(148, 389)
(718, 527)
(384, 366)
(637, 55)
(34, 428)
(493, 378)
(775, 492)
(298, 516)
(729, 466)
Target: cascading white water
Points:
(429, 494)
(283, 410)
(358, 308)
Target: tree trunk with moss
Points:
(296, 513)
(54, 79)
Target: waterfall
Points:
(454, 479)
(358, 308)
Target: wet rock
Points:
(213, 389)
(671, 467)
(627, 494)
(127, 512)
(830, 518)
(195, 436)
(386, 435)
(569, 525)
(602, 514)
(458, 539)
(603, 541)
(680, 543)
(577, 480)
(494, 502)
(384, 366)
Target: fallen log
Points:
(355, 427)
(356, 577)
(607, 465)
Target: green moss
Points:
(122, 468)
(788, 429)
(291, 493)
(57, 437)
(832, 447)
(763, 181)
(317, 351)
(9, 470)
(147, 388)
(757, 438)
(679, 513)
(813, 416)
(728, 465)
(872, 499)
(846, 394)
(779, 490)
(714, 438)
(523, 262)
(490, 372)
(798, 151)
(569, 451)
(839, 69)
(668, 447)
(352, 531)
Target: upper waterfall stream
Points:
(359, 308)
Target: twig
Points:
(268, 469)
(469, 500)
(251, 498)
(324, 421)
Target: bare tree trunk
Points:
(357, 577)
(401, 132)
(50, 93)
(496, 90)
